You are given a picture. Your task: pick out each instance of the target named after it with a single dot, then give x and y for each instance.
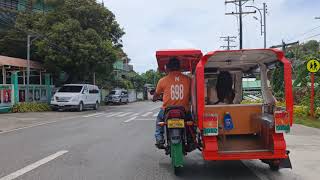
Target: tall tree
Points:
(79, 37)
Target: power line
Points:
(239, 3)
(302, 34)
(311, 36)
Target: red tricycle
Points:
(223, 126)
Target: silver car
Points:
(117, 96)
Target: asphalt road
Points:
(117, 143)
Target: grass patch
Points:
(307, 121)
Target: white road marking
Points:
(107, 114)
(154, 108)
(114, 114)
(33, 166)
(126, 121)
(40, 124)
(144, 119)
(134, 114)
(90, 115)
(35, 125)
(156, 114)
(124, 114)
(146, 114)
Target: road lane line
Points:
(156, 114)
(126, 121)
(154, 108)
(35, 125)
(124, 114)
(99, 115)
(146, 114)
(135, 114)
(33, 166)
(144, 119)
(114, 114)
(90, 115)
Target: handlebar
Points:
(159, 98)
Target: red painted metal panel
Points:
(188, 58)
(242, 156)
(200, 90)
(287, 85)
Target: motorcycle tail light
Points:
(175, 113)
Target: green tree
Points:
(302, 54)
(78, 37)
(152, 77)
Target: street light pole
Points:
(28, 67)
(240, 23)
(265, 25)
(29, 42)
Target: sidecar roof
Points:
(188, 58)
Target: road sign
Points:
(313, 66)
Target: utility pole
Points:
(284, 45)
(94, 78)
(239, 3)
(264, 25)
(28, 67)
(228, 39)
(29, 43)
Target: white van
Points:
(76, 96)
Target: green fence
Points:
(37, 93)
(6, 98)
(11, 94)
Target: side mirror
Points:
(152, 91)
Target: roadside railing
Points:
(37, 93)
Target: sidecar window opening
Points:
(246, 73)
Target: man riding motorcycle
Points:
(175, 88)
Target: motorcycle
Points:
(179, 135)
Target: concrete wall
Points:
(132, 94)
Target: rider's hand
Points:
(155, 97)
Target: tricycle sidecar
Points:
(257, 129)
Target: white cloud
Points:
(154, 24)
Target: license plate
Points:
(175, 123)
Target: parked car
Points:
(76, 96)
(118, 96)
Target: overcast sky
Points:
(161, 24)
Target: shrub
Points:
(251, 101)
(317, 113)
(301, 110)
(30, 107)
